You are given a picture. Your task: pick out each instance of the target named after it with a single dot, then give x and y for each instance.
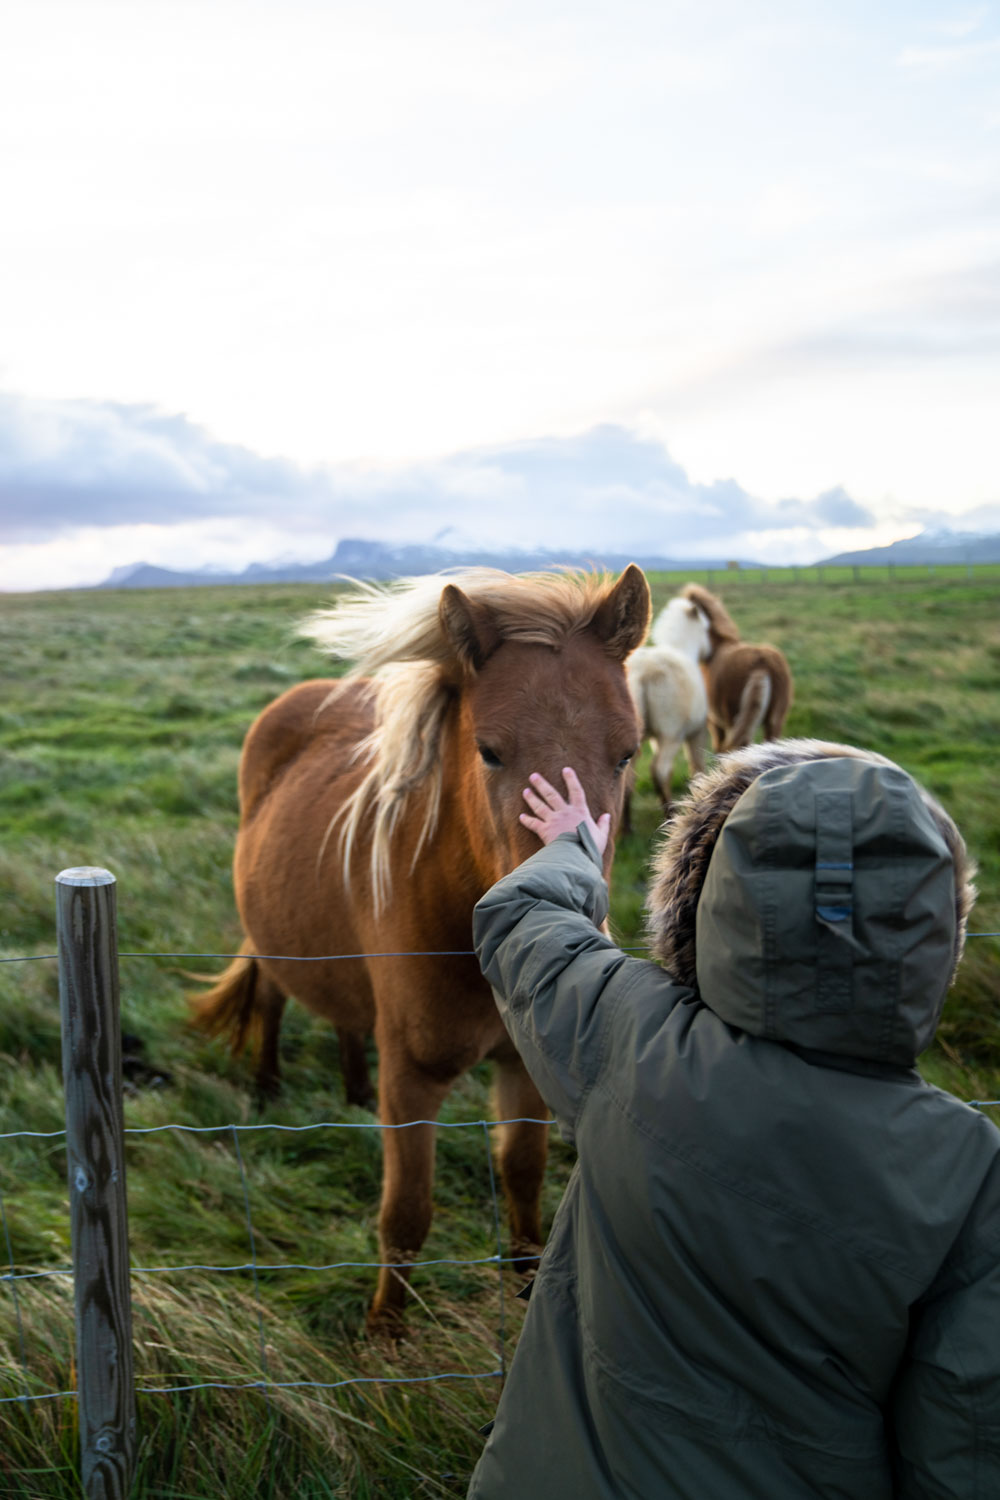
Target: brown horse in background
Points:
(376, 809)
(749, 687)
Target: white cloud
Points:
(366, 236)
(949, 56)
(85, 488)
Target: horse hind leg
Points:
(777, 709)
(358, 1086)
(754, 701)
(244, 1003)
(523, 1148)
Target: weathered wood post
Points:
(92, 1075)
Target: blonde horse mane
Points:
(393, 634)
(719, 621)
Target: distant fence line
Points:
(833, 572)
(95, 1130)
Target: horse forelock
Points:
(394, 632)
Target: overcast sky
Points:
(683, 277)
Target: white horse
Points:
(668, 690)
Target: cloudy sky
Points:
(668, 276)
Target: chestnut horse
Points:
(749, 687)
(376, 809)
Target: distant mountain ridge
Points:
(939, 546)
(356, 557)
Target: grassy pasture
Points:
(121, 719)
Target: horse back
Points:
(320, 713)
(730, 668)
(668, 692)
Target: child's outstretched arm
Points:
(551, 814)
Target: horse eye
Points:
(490, 758)
(623, 763)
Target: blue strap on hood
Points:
(834, 901)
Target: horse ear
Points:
(622, 620)
(470, 628)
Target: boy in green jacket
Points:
(775, 1272)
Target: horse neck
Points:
(686, 647)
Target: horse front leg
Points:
(694, 747)
(662, 771)
(406, 1093)
(522, 1151)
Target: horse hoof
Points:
(263, 1097)
(525, 1257)
(386, 1326)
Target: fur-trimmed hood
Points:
(813, 893)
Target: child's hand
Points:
(552, 815)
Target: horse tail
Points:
(754, 699)
(782, 693)
(229, 1006)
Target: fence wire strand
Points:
(330, 958)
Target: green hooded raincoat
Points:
(775, 1272)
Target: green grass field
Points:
(121, 720)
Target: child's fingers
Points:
(534, 801)
(577, 796)
(545, 789)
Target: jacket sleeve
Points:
(556, 977)
(946, 1406)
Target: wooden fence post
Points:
(92, 1075)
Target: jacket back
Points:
(776, 1270)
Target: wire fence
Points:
(964, 569)
(255, 1267)
(252, 1266)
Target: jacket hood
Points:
(813, 893)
